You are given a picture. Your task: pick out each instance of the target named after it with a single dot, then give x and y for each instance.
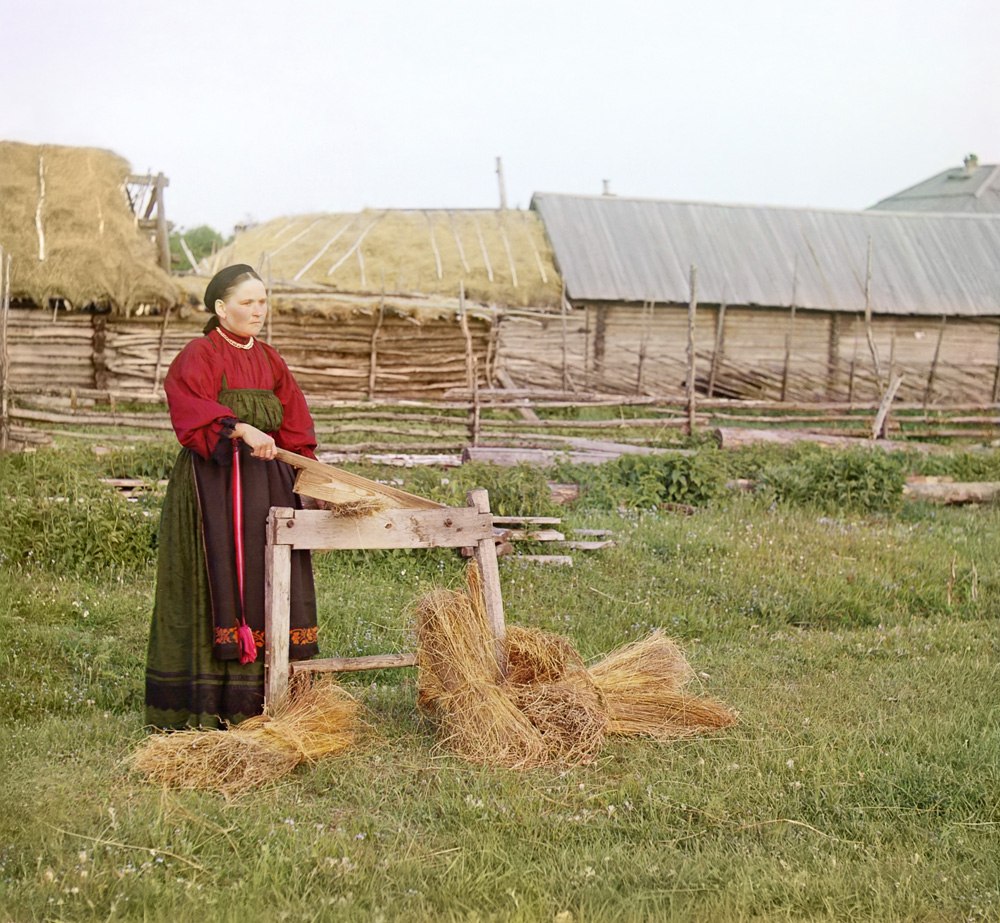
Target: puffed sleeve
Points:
(297, 432)
(201, 423)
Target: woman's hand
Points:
(261, 445)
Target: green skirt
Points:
(193, 680)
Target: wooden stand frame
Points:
(289, 529)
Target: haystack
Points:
(315, 720)
(66, 222)
(548, 707)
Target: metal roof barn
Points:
(973, 187)
(638, 250)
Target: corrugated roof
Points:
(972, 188)
(616, 249)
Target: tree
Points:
(202, 241)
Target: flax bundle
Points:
(547, 707)
(641, 686)
(460, 681)
(316, 719)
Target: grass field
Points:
(862, 782)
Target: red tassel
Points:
(248, 649)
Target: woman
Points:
(232, 401)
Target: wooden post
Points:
(879, 426)
(934, 362)
(868, 318)
(692, 308)
(565, 369)
(789, 336)
(646, 321)
(720, 342)
(832, 355)
(270, 306)
(159, 351)
(503, 188)
(4, 354)
(485, 554)
(493, 348)
(996, 375)
(373, 347)
(277, 617)
(472, 378)
(162, 234)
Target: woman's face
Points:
(243, 312)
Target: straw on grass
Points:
(641, 686)
(316, 719)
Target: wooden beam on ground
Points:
(953, 493)
(353, 664)
(559, 560)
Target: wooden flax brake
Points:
(403, 521)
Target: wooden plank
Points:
(559, 560)
(444, 528)
(530, 520)
(277, 619)
(588, 546)
(538, 535)
(354, 664)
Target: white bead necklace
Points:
(247, 345)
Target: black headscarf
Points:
(223, 282)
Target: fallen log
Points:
(738, 438)
(576, 451)
(953, 493)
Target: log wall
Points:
(332, 357)
(756, 354)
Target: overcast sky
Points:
(257, 109)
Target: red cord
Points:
(248, 648)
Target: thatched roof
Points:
(502, 257)
(66, 222)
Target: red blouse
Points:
(194, 381)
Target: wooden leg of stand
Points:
(486, 557)
(277, 598)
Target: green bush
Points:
(152, 461)
(646, 481)
(58, 516)
(962, 466)
(861, 480)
